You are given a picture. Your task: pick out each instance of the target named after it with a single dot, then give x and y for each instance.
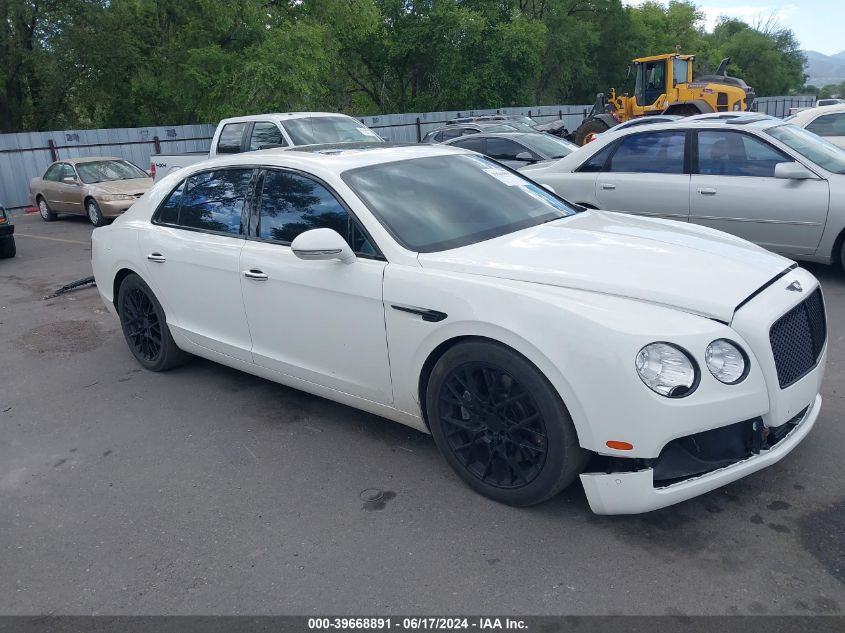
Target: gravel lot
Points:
(208, 491)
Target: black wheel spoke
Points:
(142, 325)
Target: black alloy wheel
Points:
(493, 425)
(145, 326)
(501, 425)
(142, 327)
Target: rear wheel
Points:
(587, 130)
(44, 210)
(94, 213)
(500, 424)
(145, 327)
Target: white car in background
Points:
(432, 286)
(826, 121)
(757, 177)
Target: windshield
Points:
(547, 145)
(811, 146)
(328, 129)
(441, 202)
(107, 170)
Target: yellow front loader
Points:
(665, 85)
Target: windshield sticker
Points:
(504, 176)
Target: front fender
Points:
(584, 343)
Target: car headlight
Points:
(667, 370)
(726, 361)
(113, 197)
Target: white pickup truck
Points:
(263, 131)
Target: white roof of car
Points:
(334, 158)
(283, 116)
(811, 113)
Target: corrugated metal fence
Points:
(26, 155)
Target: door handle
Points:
(256, 275)
(157, 257)
(607, 186)
(706, 191)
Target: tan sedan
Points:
(100, 187)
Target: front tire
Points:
(145, 327)
(587, 131)
(501, 425)
(94, 214)
(44, 211)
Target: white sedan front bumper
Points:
(635, 492)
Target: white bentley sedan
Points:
(537, 343)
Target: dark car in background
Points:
(516, 149)
(7, 235)
(456, 130)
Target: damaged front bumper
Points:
(639, 491)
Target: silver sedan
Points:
(754, 176)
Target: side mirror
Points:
(322, 244)
(69, 180)
(524, 156)
(793, 171)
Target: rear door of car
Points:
(49, 185)
(192, 254)
(734, 189)
(645, 174)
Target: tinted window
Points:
(734, 154)
(650, 153)
(829, 125)
(475, 144)
(292, 204)
(54, 172)
(264, 133)
(503, 149)
(230, 138)
(598, 160)
(441, 202)
(445, 135)
(214, 200)
(168, 213)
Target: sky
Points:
(818, 24)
